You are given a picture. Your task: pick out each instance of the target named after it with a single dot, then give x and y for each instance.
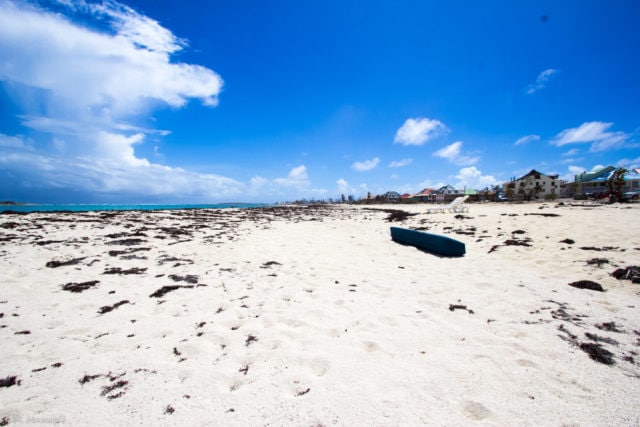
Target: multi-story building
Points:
(534, 185)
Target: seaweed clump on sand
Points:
(629, 273)
(587, 284)
(56, 264)
(118, 270)
(189, 278)
(597, 352)
(159, 293)
(395, 215)
(80, 287)
(9, 381)
(108, 308)
(597, 261)
(548, 215)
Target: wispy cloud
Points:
(297, 177)
(629, 163)
(527, 139)
(295, 184)
(453, 153)
(595, 133)
(400, 163)
(366, 165)
(572, 152)
(11, 141)
(472, 177)
(418, 131)
(85, 87)
(541, 81)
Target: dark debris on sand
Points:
(118, 270)
(10, 381)
(269, 264)
(159, 293)
(250, 339)
(543, 214)
(609, 326)
(189, 278)
(395, 215)
(604, 248)
(114, 386)
(108, 308)
(56, 264)
(587, 284)
(453, 307)
(629, 273)
(598, 338)
(80, 287)
(127, 242)
(512, 242)
(597, 261)
(128, 251)
(88, 378)
(597, 352)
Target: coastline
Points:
(312, 315)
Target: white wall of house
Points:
(535, 185)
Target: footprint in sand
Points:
(371, 346)
(319, 366)
(526, 363)
(476, 411)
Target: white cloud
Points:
(571, 152)
(107, 73)
(452, 153)
(419, 131)
(595, 133)
(366, 165)
(84, 87)
(572, 171)
(527, 139)
(430, 184)
(472, 177)
(400, 163)
(343, 185)
(541, 81)
(295, 185)
(297, 178)
(629, 163)
(576, 170)
(101, 176)
(11, 141)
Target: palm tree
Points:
(616, 184)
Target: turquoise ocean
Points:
(127, 207)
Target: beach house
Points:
(594, 184)
(533, 185)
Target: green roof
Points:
(590, 176)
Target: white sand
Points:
(320, 319)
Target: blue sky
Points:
(203, 102)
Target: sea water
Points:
(127, 207)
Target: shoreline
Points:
(312, 315)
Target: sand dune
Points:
(313, 316)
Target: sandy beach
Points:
(313, 316)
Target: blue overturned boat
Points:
(434, 243)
